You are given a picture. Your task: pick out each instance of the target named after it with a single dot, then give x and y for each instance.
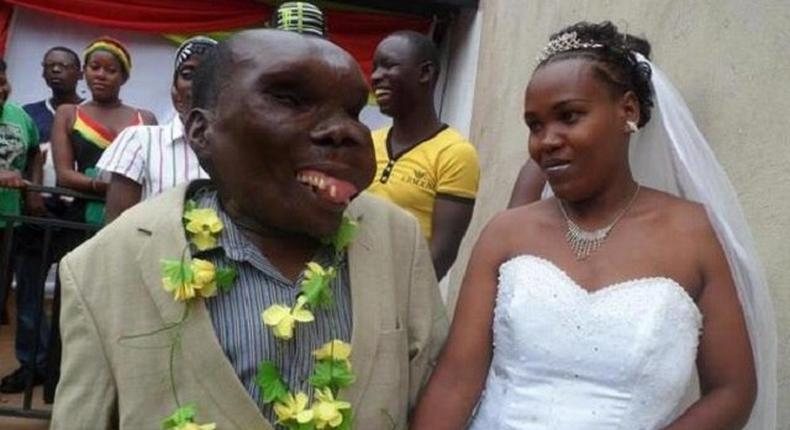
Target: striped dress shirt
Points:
(236, 314)
(155, 156)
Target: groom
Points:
(275, 124)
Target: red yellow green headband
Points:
(113, 47)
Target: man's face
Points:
(61, 71)
(396, 75)
(181, 91)
(284, 142)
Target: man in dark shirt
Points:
(61, 72)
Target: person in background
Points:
(423, 165)
(528, 186)
(61, 71)
(20, 162)
(145, 160)
(81, 133)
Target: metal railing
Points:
(49, 227)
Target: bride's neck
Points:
(604, 205)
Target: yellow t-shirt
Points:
(443, 164)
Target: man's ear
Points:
(197, 130)
(427, 72)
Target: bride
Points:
(589, 310)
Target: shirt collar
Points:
(175, 128)
(237, 247)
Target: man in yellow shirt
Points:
(422, 165)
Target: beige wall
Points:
(729, 59)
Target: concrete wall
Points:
(729, 59)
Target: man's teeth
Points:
(316, 181)
(381, 92)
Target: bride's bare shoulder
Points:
(520, 226)
(679, 214)
(533, 216)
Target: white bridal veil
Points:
(671, 154)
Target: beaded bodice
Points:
(564, 358)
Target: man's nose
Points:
(339, 130)
(376, 75)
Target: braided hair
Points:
(616, 63)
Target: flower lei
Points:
(332, 372)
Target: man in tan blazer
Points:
(271, 111)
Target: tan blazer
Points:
(111, 288)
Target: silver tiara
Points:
(565, 42)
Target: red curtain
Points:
(6, 10)
(156, 16)
(357, 32)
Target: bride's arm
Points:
(458, 379)
(724, 359)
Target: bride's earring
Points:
(630, 127)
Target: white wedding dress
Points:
(567, 359)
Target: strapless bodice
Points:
(565, 358)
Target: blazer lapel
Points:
(364, 302)
(199, 345)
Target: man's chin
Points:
(318, 229)
(326, 228)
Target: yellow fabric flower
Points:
(292, 407)
(194, 426)
(204, 277)
(314, 270)
(326, 410)
(204, 226)
(203, 282)
(182, 291)
(334, 350)
(283, 319)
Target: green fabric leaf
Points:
(296, 426)
(272, 386)
(333, 374)
(225, 277)
(317, 292)
(347, 419)
(345, 234)
(190, 205)
(178, 271)
(182, 415)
